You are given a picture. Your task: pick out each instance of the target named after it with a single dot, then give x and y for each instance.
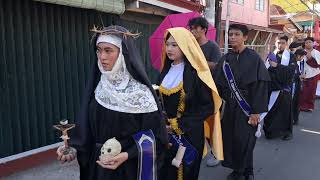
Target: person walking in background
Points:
(199, 27)
(296, 86)
(311, 75)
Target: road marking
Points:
(309, 131)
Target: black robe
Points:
(278, 121)
(252, 79)
(199, 106)
(296, 95)
(96, 124)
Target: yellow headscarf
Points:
(191, 49)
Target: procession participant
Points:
(242, 80)
(189, 96)
(278, 122)
(296, 86)
(311, 72)
(119, 102)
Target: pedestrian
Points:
(278, 122)
(311, 72)
(189, 96)
(119, 102)
(296, 45)
(199, 27)
(242, 80)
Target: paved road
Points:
(297, 159)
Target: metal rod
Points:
(226, 34)
(255, 37)
(312, 22)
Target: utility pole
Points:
(210, 12)
(226, 37)
(213, 15)
(312, 22)
(218, 8)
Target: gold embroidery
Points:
(175, 126)
(182, 104)
(180, 172)
(169, 92)
(181, 107)
(174, 121)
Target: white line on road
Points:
(309, 131)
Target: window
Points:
(238, 1)
(260, 5)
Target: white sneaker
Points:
(212, 161)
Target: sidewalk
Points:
(50, 171)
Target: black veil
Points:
(81, 136)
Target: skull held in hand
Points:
(110, 148)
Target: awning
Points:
(108, 6)
(290, 6)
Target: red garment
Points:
(313, 63)
(308, 93)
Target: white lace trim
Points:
(135, 98)
(118, 91)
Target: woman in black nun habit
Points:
(189, 96)
(118, 102)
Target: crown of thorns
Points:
(113, 31)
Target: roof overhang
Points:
(254, 27)
(187, 4)
(146, 8)
(108, 6)
(139, 5)
(286, 19)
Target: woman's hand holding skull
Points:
(113, 162)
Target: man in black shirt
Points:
(199, 27)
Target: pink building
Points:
(251, 12)
(254, 14)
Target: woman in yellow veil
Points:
(189, 97)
